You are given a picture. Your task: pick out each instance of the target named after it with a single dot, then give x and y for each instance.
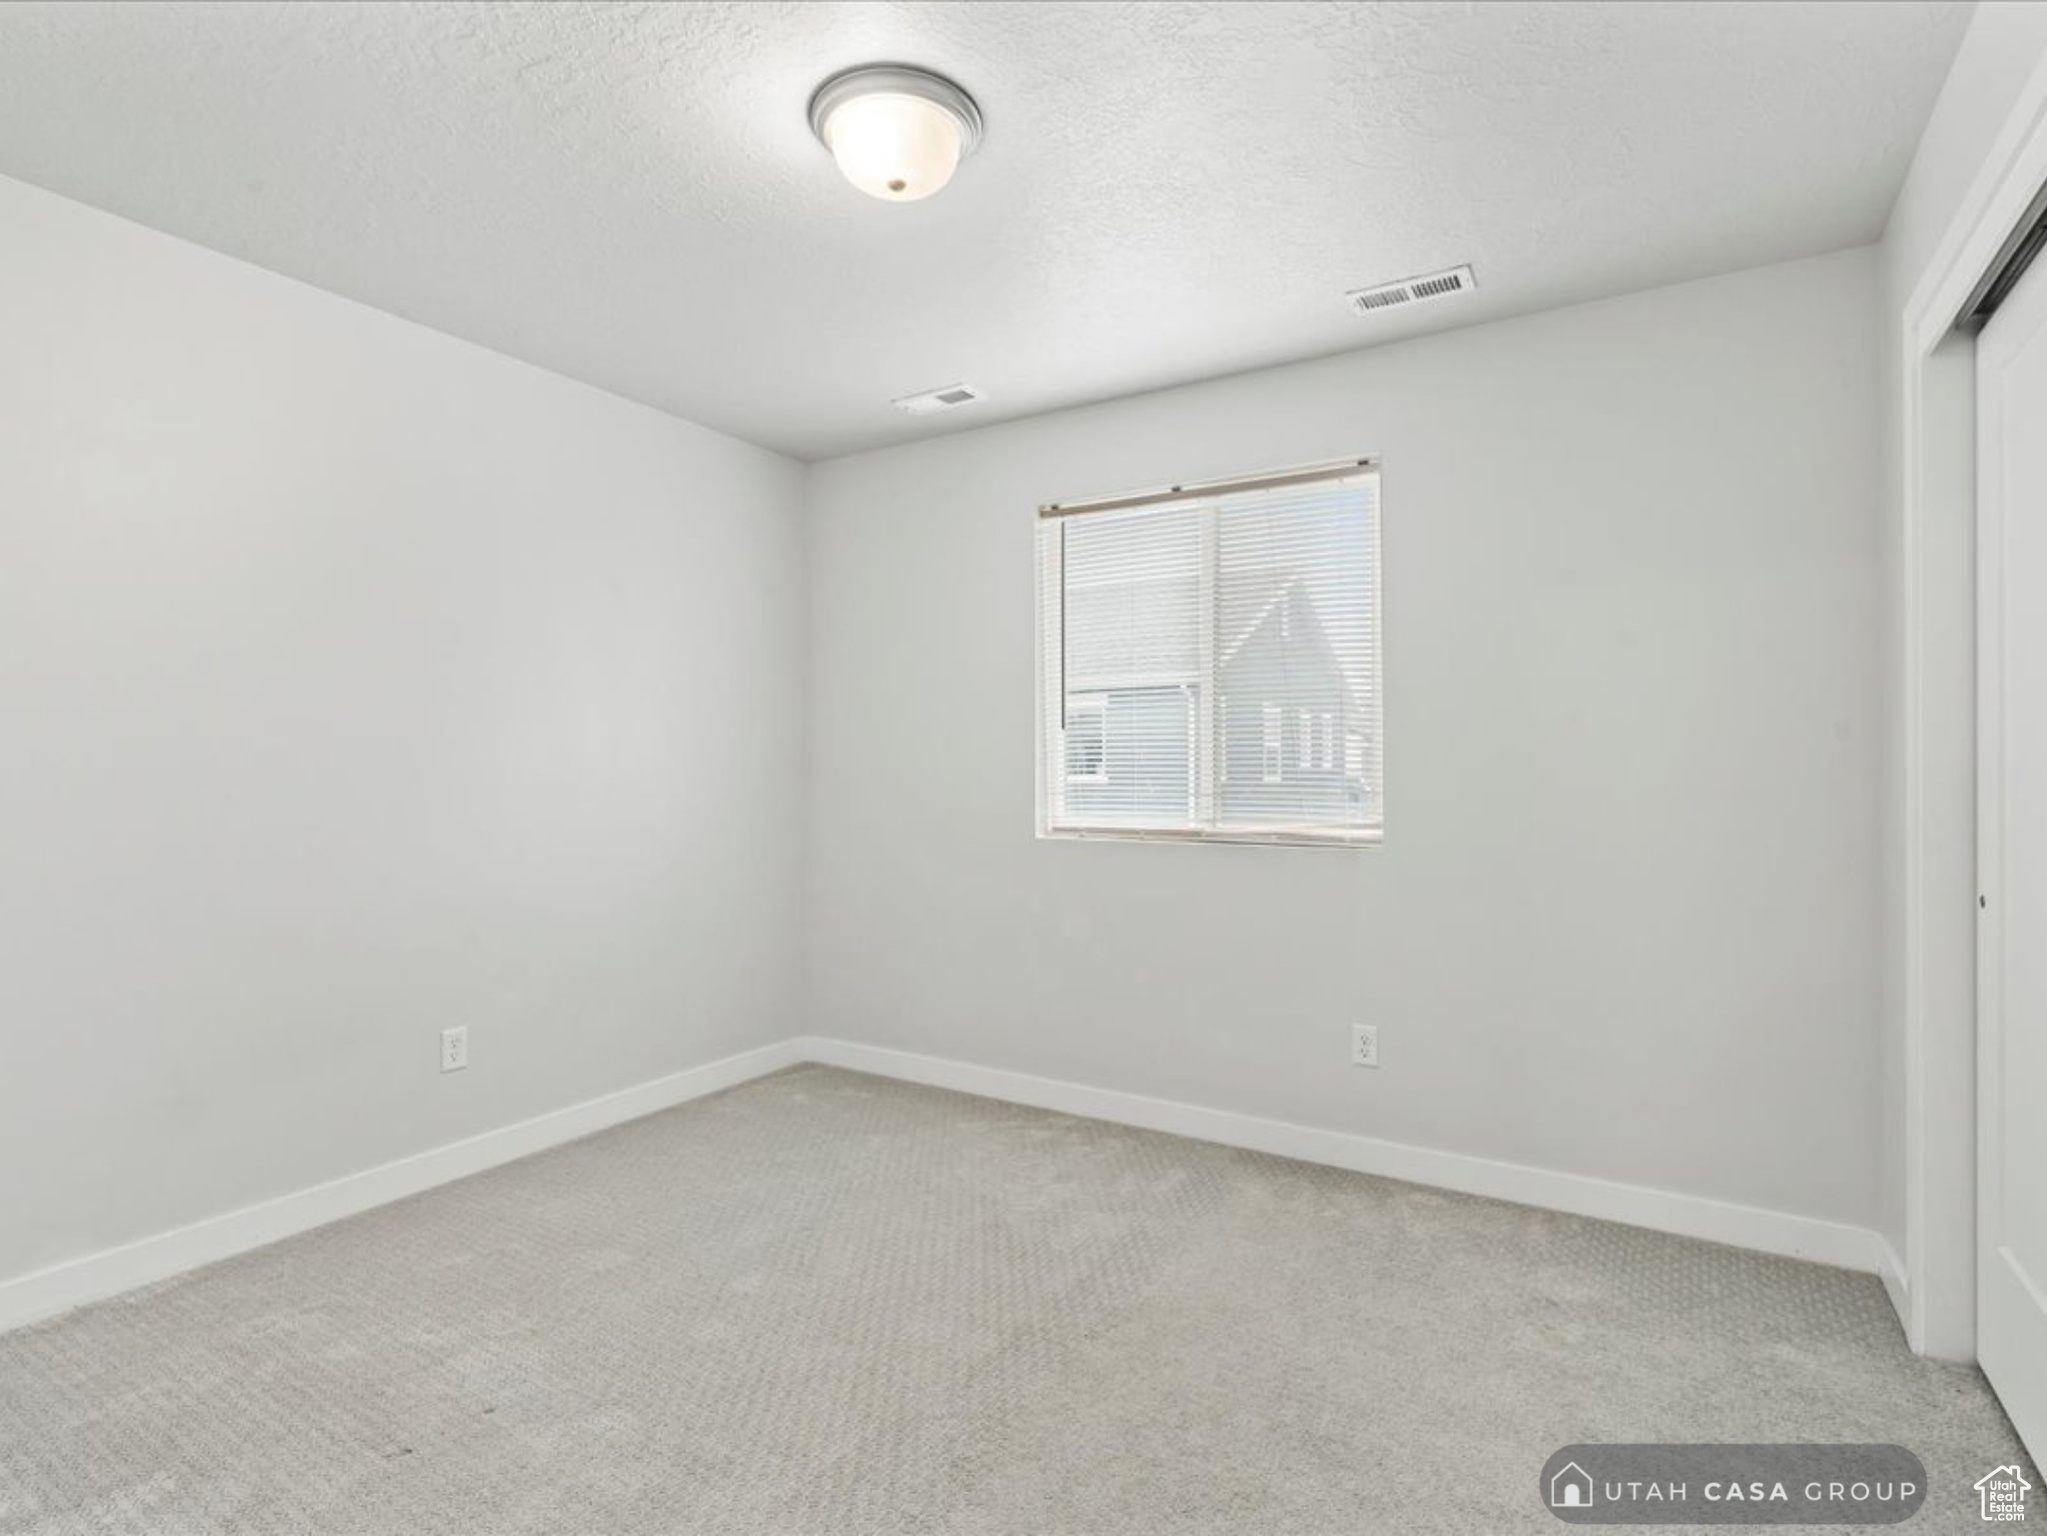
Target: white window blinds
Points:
(1209, 661)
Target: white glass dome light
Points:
(897, 132)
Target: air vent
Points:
(950, 397)
(1412, 290)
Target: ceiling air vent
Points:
(950, 397)
(1412, 290)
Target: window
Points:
(1087, 739)
(1203, 651)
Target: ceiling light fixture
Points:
(898, 132)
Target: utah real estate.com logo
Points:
(2004, 1494)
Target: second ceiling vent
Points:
(950, 397)
(1411, 290)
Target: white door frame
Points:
(1937, 742)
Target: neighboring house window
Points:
(1157, 610)
(1087, 740)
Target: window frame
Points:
(1051, 697)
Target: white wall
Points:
(2005, 46)
(1624, 922)
(354, 682)
(357, 681)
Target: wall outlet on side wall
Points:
(1364, 1045)
(455, 1048)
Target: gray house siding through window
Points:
(1286, 662)
(1312, 767)
(1147, 756)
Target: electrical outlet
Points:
(1364, 1045)
(455, 1048)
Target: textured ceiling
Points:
(629, 193)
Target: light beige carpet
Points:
(827, 1303)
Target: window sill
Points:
(1270, 837)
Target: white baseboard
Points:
(1891, 1270)
(96, 1276)
(1719, 1221)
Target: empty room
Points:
(1022, 768)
